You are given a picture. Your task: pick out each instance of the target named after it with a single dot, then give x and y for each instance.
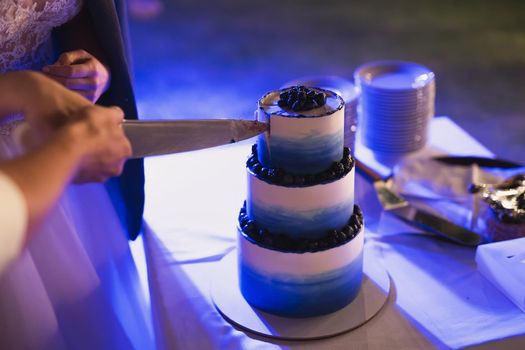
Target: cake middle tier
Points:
(300, 212)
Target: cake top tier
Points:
(306, 129)
(301, 101)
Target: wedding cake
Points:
(300, 236)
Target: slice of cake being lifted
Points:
(300, 234)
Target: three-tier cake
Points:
(300, 240)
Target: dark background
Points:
(216, 58)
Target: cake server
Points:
(157, 137)
(398, 206)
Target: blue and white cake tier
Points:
(300, 212)
(304, 142)
(300, 284)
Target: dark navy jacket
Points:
(109, 18)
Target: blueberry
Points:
(254, 149)
(301, 245)
(323, 176)
(339, 169)
(243, 221)
(271, 174)
(346, 152)
(250, 227)
(287, 179)
(280, 241)
(309, 179)
(301, 95)
(359, 219)
(257, 168)
(268, 240)
(278, 174)
(262, 232)
(251, 162)
(320, 98)
(299, 180)
(341, 237)
(313, 246)
(323, 244)
(264, 172)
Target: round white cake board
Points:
(227, 297)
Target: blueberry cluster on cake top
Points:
(301, 98)
(301, 101)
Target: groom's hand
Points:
(48, 106)
(81, 72)
(99, 141)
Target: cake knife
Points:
(395, 204)
(157, 137)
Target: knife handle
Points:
(369, 173)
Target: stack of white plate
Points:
(344, 88)
(397, 104)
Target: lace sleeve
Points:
(25, 31)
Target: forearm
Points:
(42, 176)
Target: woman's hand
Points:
(98, 139)
(82, 72)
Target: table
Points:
(192, 203)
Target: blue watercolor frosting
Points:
(309, 154)
(311, 224)
(293, 296)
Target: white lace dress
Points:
(75, 285)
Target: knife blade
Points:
(157, 137)
(398, 206)
(481, 161)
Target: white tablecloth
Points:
(438, 298)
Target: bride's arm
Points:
(89, 146)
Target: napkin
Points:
(503, 263)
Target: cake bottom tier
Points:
(306, 284)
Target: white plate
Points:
(235, 309)
(422, 91)
(393, 75)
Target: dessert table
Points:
(437, 297)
